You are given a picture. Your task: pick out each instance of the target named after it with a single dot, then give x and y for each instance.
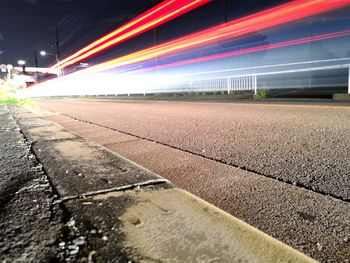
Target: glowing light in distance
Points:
(163, 12)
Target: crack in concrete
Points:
(42, 168)
(244, 168)
(114, 189)
(31, 202)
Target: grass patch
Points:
(8, 98)
(199, 96)
(262, 94)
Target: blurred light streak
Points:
(289, 12)
(248, 50)
(34, 69)
(306, 64)
(160, 14)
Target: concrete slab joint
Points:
(118, 211)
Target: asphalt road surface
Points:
(283, 168)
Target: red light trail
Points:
(279, 15)
(160, 14)
(248, 50)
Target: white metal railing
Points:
(239, 83)
(244, 82)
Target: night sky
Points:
(26, 25)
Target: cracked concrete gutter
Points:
(30, 224)
(118, 211)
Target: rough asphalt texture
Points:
(30, 224)
(304, 146)
(190, 144)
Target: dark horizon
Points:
(33, 23)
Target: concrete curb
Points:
(118, 211)
(341, 97)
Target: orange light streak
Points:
(289, 12)
(158, 15)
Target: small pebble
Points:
(79, 241)
(71, 223)
(57, 202)
(61, 244)
(72, 247)
(75, 251)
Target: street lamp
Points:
(22, 63)
(44, 53)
